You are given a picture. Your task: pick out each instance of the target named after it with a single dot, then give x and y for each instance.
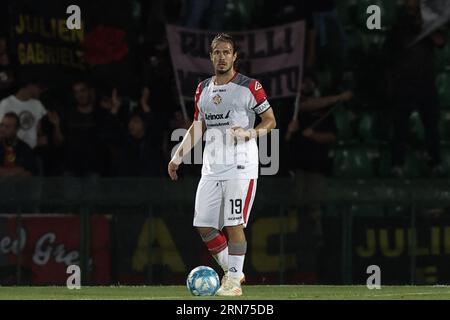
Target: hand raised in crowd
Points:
(145, 97)
(116, 101)
(54, 119)
(346, 96)
(291, 129)
(293, 126)
(308, 132)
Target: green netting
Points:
(444, 126)
(343, 119)
(443, 87)
(414, 165)
(352, 162)
(417, 129)
(445, 156)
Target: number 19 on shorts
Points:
(236, 206)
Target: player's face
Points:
(223, 57)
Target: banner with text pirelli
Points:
(274, 56)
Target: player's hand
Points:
(172, 170)
(242, 134)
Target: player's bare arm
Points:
(192, 137)
(267, 123)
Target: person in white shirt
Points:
(226, 106)
(25, 103)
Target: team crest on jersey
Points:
(257, 86)
(217, 99)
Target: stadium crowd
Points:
(97, 129)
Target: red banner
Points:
(48, 245)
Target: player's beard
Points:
(222, 72)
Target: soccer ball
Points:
(203, 281)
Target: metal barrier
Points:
(33, 195)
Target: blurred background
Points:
(87, 115)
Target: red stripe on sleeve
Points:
(247, 200)
(257, 91)
(198, 92)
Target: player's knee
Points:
(236, 234)
(207, 232)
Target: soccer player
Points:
(225, 109)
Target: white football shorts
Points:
(224, 203)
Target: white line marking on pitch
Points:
(402, 294)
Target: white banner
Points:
(274, 56)
(435, 14)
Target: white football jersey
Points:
(223, 107)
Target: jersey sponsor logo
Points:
(258, 86)
(217, 99)
(221, 116)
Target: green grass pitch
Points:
(273, 292)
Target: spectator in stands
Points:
(413, 83)
(111, 101)
(140, 152)
(16, 157)
(310, 138)
(51, 155)
(86, 131)
(25, 103)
